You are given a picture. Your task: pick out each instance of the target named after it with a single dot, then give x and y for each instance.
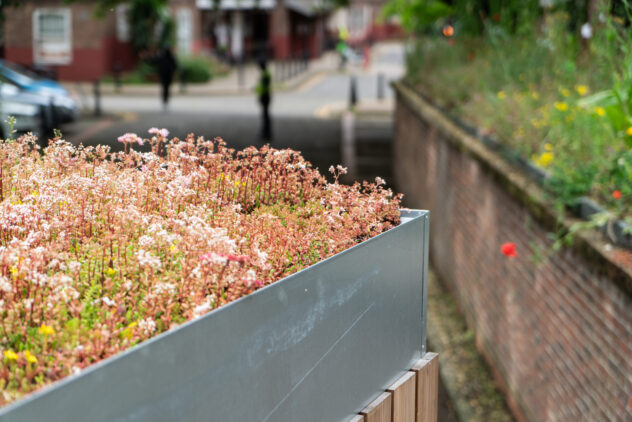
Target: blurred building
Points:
(70, 42)
(67, 39)
(362, 22)
(279, 29)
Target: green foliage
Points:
(194, 69)
(545, 94)
(417, 15)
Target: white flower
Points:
(107, 301)
(379, 181)
(160, 288)
(201, 309)
(145, 241)
(5, 285)
(74, 266)
(147, 326)
(586, 31)
(147, 259)
(251, 276)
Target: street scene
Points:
(315, 210)
(306, 111)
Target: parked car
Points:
(26, 108)
(64, 107)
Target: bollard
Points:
(116, 71)
(97, 97)
(380, 86)
(353, 95)
(348, 144)
(240, 73)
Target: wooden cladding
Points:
(412, 398)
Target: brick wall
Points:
(91, 57)
(556, 328)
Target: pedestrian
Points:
(264, 94)
(166, 68)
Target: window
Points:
(184, 31)
(122, 23)
(52, 36)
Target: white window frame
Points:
(184, 31)
(123, 30)
(60, 53)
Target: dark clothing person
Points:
(265, 97)
(166, 68)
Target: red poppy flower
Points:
(448, 31)
(509, 249)
(616, 194)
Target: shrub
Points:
(194, 69)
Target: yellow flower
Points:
(561, 106)
(501, 95)
(110, 272)
(548, 147)
(35, 193)
(30, 358)
(581, 89)
(628, 131)
(172, 248)
(544, 160)
(600, 111)
(46, 330)
(10, 355)
(535, 95)
(128, 332)
(565, 92)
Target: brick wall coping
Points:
(609, 260)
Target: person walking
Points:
(265, 97)
(166, 68)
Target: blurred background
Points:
(95, 70)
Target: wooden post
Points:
(380, 409)
(427, 370)
(403, 391)
(412, 398)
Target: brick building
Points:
(280, 28)
(77, 46)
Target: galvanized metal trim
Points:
(316, 346)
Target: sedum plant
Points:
(101, 250)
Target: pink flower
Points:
(130, 138)
(161, 132)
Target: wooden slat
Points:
(380, 409)
(403, 391)
(357, 418)
(427, 370)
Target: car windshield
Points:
(22, 75)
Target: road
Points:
(235, 118)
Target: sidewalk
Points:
(236, 82)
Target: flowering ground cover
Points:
(101, 250)
(550, 85)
